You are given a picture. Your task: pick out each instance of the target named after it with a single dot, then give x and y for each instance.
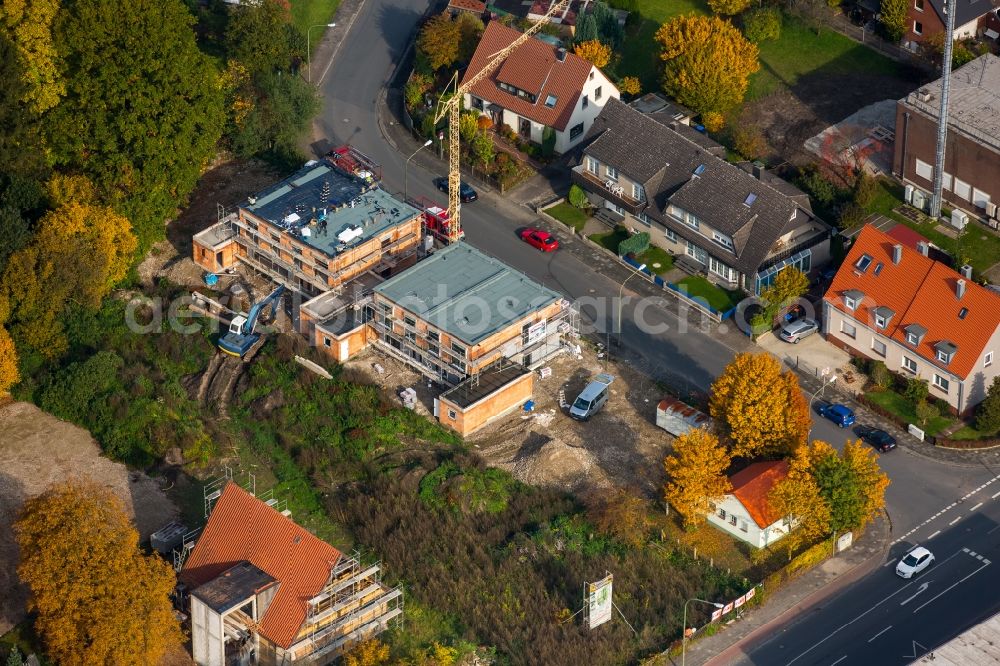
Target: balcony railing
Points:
(609, 189)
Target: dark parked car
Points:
(839, 414)
(880, 439)
(465, 191)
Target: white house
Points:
(744, 512)
(538, 86)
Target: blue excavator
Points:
(241, 336)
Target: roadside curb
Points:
(340, 33)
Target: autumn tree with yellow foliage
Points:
(29, 24)
(623, 514)
(708, 62)
(728, 7)
(9, 374)
(758, 409)
(797, 498)
(697, 475)
(851, 482)
(98, 599)
(371, 652)
(594, 52)
(78, 253)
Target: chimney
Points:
(758, 170)
(966, 271)
(960, 289)
(561, 54)
(922, 248)
(897, 253)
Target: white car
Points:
(914, 562)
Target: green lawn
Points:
(569, 215)
(639, 53)
(306, 13)
(901, 407)
(652, 255)
(978, 247)
(720, 299)
(969, 432)
(800, 52)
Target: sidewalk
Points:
(793, 599)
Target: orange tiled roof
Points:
(241, 527)
(534, 68)
(752, 485)
(919, 291)
(474, 6)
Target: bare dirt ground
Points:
(619, 446)
(790, 116)
(38, 451)
(228, 182)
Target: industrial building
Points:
(263, 590)
(317, 229)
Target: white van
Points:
(592, 398)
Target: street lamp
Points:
(406, 165)
(826, 382)
(621, 293)
(309, 71)
(684, 630)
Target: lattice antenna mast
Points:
(942, 133)
(452, 106)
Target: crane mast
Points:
(452, 106)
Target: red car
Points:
(543, 240)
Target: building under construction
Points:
(262, 590)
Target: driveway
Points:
(814, 356)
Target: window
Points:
(943, 356)
(909, 364)
(850, 302)
(848, 329)
(722, 514)
(918, 27)
(327, 342)
(612, 172)
(878, 347)
(881, 320)
(962, 189)
(946, 181)
(477, 103)
(550, 101)
(452, 415)
(941, 383)
(597, 93)
(575, 131)
(863, 262)
(592, 165)
(671, 236)
(721, 269)
(980, 199)
(722, 239)
(637, 192)
(988, 359)
(410, 321)
(458, 349)
(918, 5)
(690, 220)
(732, 520)
(913, 339)
(643, 218)
(585, 102)
(591, 77)
(433, 349)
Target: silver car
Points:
(796, 330)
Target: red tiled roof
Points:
(906, 236)
(919, 291)
(241, 527)
(474, 6)
(752, 485)
(534, 68)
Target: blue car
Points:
(839, 414)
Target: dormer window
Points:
(550, 101)
(945, 351)
(882, 316)
(915, 334)
(863, 262)
(852, 298)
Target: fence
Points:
(840, 23)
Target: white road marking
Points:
(953, 585)
(914, 655)
(976, 507)
(880, 633)
(994, 529)
(995, 496)
(888, 564)
(921, 589)
(839, 660)
(955, 521)
(933, 535)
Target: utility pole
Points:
(942, 134)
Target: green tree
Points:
(763, 24)
(440, 40)
(14, 658)
(260, 35)
(916, 390)
(100, 601)
(143, 107)
(839, 486)
(880, 376)
(468, 126)
(578, 197)
(415, 88)
(279, 117)
(894, 17)
(586, 29)
(925, 412)
(29, 24)
(728, 7)
(482, 149)
(470, 29)
(797, 498)
(708, 62)
(988, 411)
(790, 284)
(22, 152)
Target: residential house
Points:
(475, 7)
(540, 88)
(920, 317)
(739, 224)
(266, 591)
(745, 512)
(927, 17)
(971, 178)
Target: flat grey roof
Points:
(490, 380)
(974, 100)
(301, 203)
(465, 293)
(234, 587)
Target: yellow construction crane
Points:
(452, 106)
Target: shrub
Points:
(762, 24)
(713, 121)
(414, 91)
(822, 191)
(988, 411)
(577, 197)
(635, 244)
(865, 189)
(880, 376)
(926, 411)
(484, 122)
(916, 391)
(508, 133)
(852, 215)
(548, 142)
(748, 140)
(630, 85)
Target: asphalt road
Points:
(884, 619)
(665, 345)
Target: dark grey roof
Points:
(967, 10)
(658, 103)
(485, 383)
(234, 587)
(854, 294)
(916, 329)
(882, 311)
(751, 211)
(946, 347)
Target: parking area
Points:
(814, 355)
